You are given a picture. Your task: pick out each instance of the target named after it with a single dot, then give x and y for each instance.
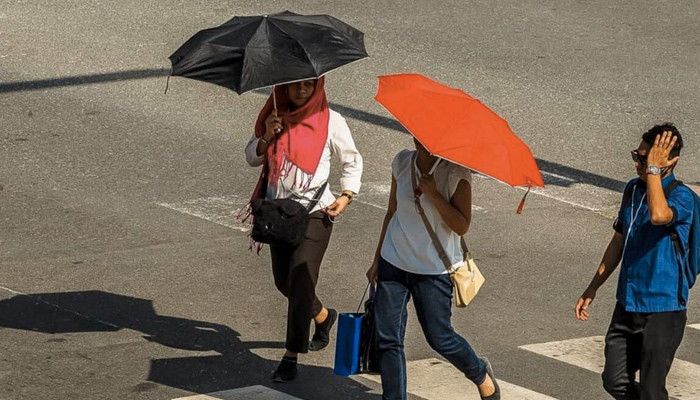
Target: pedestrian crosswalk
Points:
(221, 210)
(437, 379)
(587, 353)
(247, 393)
(224, 210)
(434, 379)
(429, 379)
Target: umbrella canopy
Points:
(247, 53)
(459, 128)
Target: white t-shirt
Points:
(340, 144)
(407, 244)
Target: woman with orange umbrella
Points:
(429, 211)
(407, 265)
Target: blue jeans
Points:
(432, 297)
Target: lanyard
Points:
(633, 217)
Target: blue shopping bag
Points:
(347, 348)
(355, 349)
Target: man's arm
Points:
(611, 259)
(659, 211)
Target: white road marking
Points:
(221, 210)
(377, 190)
(587, 353)
(550, 195)
(434, 379)
(694, 326)
(247, 393)
(568, 191)
(38, 300)
(381, 190)
(559, 187)
(16, 293)
(224, 210)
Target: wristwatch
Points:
(348, 195)
(653, 170)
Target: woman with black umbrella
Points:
(296, 134)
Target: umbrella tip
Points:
(522, 202)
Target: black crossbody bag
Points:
(281, 222)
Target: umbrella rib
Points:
(340, 66)
(306, 53)
(225, 32)
(303, 79)
(245, 64)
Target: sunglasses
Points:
(636, 157)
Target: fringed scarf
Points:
(300, 144)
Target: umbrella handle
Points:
(434, 166)
(274, 98)
(418, 192)
(274, 104)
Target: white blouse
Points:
(407, 244)
(340, 144)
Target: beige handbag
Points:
(466, 280)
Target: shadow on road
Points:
(234, 366)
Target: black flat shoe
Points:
(489, 371)
(322, 335)
(286, 371)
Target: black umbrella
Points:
(247, 53)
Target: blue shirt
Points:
(651, 278)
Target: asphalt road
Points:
(123, 274)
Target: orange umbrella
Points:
(459, 128)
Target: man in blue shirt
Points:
(649, 319)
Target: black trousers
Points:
(296, 271)
(644, 342)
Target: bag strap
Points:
(465, 249)
(372, 292)
(312, 202)
(317, 196)
(431, 232)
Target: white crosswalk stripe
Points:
(433, 379)
(683, 380)
(221, 210)
(246, 393)
(224, 210)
